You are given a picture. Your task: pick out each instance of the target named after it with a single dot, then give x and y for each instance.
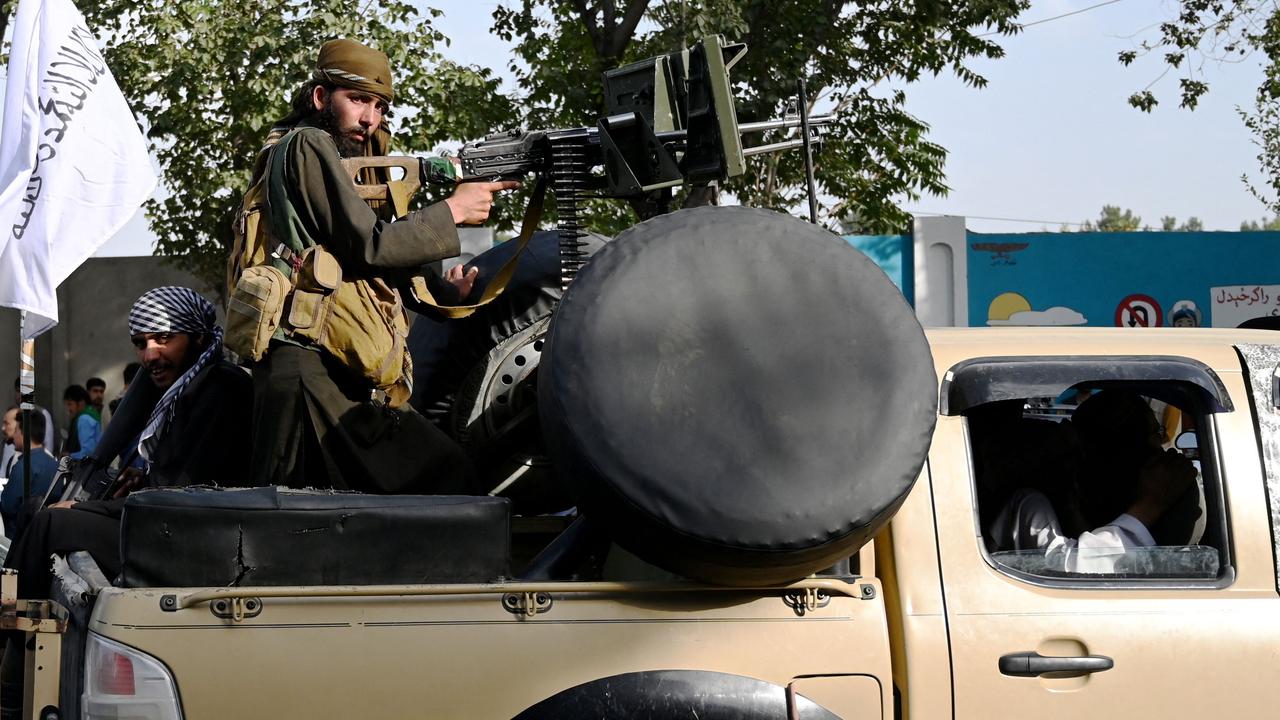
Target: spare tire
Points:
(740, 396)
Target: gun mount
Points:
(670, 120)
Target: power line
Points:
(1003, 219)
(1056, 17)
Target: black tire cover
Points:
(742, 396)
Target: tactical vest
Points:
(283, 286)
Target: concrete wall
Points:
(91, 338)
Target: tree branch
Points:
(589, 22)
(608, 17)
(622, 33)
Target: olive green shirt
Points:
(314, 202)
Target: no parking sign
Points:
(1139, 310)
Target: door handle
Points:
(1033, 664)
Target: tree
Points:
(1266, 224)
(1217, 31)
(1113, 219)
(1170, 224)
(877, 156)
(208, 77)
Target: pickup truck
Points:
(923, 617)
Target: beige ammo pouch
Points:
(359, 322)
(254, 311)
(316, 279)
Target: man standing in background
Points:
(48, 440)
(97, 388)
(43, 467)
(85, 429)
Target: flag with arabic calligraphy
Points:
(73, 162)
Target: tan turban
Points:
(349, 64)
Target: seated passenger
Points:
(1126, 485)
(188, 415)
(1026, 454)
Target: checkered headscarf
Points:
(174, 310)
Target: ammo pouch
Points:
(256, 290)
(254, 310)
(361, 323)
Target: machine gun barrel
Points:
(780, 146)
(784, 123)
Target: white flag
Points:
(73, 163)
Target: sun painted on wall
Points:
(1011, 308)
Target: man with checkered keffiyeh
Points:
(187, 415)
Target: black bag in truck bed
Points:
(205, 537)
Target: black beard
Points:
(347, 147)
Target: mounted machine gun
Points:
(670, 120)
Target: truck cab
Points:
(1185, 632)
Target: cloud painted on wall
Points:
(1054, 316)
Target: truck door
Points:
(1183, 630)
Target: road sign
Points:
(1139, 310)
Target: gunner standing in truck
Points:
(321, 419)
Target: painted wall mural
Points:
(1143, 279)
(1010, 308)
(1139, 279)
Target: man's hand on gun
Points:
(471, 201)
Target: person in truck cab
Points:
(1126, 484)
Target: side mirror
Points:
(1188, 444)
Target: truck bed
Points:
(482, 652)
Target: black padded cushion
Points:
(742, 397)
(203, 537)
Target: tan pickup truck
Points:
(931, 618)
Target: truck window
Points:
(1100, 481)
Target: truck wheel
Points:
(740, 396)
(662, 694)
(495, 419)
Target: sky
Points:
(1050, 140)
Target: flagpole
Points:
(27, 388)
